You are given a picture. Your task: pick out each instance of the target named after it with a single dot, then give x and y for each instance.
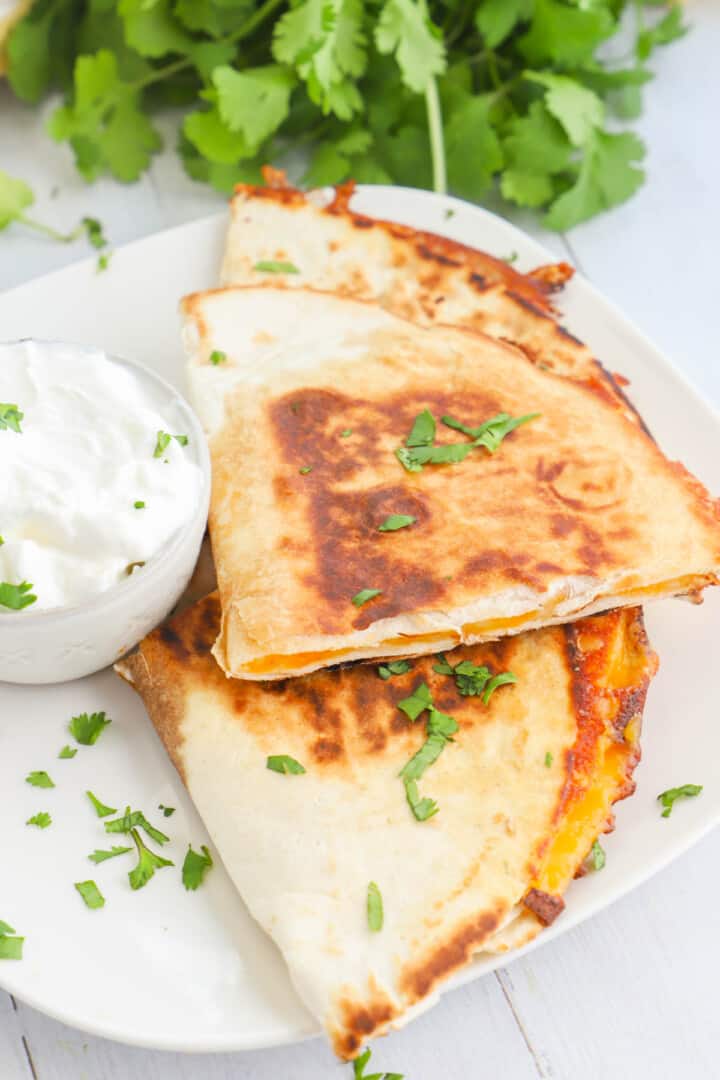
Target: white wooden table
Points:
(633, 993)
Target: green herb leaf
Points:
(68, 752)
(359, 1070)
(135, 819)
(39, 779)
(15, 197)
(283, 763)
(439, 732)
(91, 894)
(272, 266)
(597, 856)
(163, 441)
(6, 928)
(11, 948)
(217, 357)
(100, 809)
(305, 469)
(87, 728)
(42, 820)
(168, 811)
(10, 417)
(492, 432)
(195, 866)
(394, 667)
(148, 862)
(99, 855)
(548, 760)
(346, 433)
(375, 913)
(405, 29)
(422, 432)
(503, 679)
(16, 597)
(607, 175)
(419, 700)
(396, 521)
(668, 798)
(139, 505)
(364, 595)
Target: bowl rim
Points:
(154, 565)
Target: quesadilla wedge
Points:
(339, 534)
(282, 237)
(299, 786)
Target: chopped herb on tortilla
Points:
(668, 798)
(364, 595)
(283, 763)
(394, 667)
(375, 913)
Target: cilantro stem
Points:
(62, 238)
(237, 35)
(437, 142)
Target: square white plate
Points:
(179, 970)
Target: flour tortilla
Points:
(577, 511)
(523, 790)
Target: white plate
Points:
(175, 970)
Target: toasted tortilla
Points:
(418, 275)
(570, 515)
(523, 791)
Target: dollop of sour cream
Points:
(84, 497)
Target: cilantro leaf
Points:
(492, 432)
(217, 357)
(100, 809)
(578, 109)
(406, 30)
(548, 760)
(359, 1070)
(422, 432)
(562, 34)
(10, 415)
(283, 763)
(393, 522)
(305, 469)
(68, 752)
(91, 894)
(596, 858)
(669, 798)
(394, 667)
(195, 866)
(503, 679)
(148, 863)
(496, 19)
(272, 266)
(669, 28)
(11, 948)
(608, 175)
(163, 441)
(419, 700)
(134, 819)
(99, 855)
(6, 928)
(168, 811)
(439, 731)
(15, 196)
(87, 728)
(42, 820)
(254, 101)
(16, 597)
(364, 596)
(375, 914)
(39, 778)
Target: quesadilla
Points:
(382, 489)
(282, 237)
(374, 892)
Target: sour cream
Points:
(86, 493)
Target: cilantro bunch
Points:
(443, 94)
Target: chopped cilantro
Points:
(11, 948)
(134, 819)
(393, 522)
(6, 928)
(163, 441)
(10, 417)
(103, 261)
(492, 432)
(394, 667)
(217, 357)
(16, 597)
(42, 820)
(669, 797)
(168, 811)
(139, 505)
(473, 680)
(68, 752)
(346, 433)
(273, 266)
(375, 913)
(39, 779)
(596, 858)
(364, 595)
(148, 863)
(419, 700)
(422, 432)
(100, 809)
(195, 867)
(94, 232)
(439, 732)
(99, 855)
(283, 763)
(548, 760)
(305, 469)
(359, 1070)
(502, 679)
(87, 728)
(91, 894)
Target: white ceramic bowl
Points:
(67, 643)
